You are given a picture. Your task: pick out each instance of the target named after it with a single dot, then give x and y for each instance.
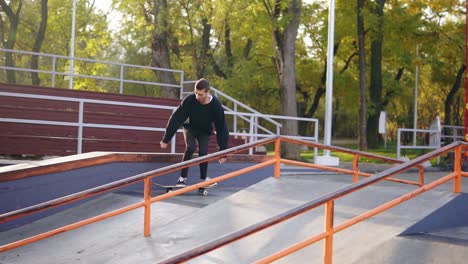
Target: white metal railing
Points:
(50, 67)
(452, 133)
(238, 107)
(429, 138)
(433, 141)
(251, 134)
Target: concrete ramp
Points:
(177, 227)
(448, 222)
(353, 245)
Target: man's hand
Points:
(163, 145)
(222, 160)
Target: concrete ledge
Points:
(40, 167)
(327, 161)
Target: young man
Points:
(197, 112)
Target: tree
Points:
(10, 40)
(38, 42)
(449, 101)
(161, 56)
(217, 40)
(362, 134)
(377, 35)
(285, 18)
(44, 27)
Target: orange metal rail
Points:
(329, 200)
(146, 177)
(276, 161)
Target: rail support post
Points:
(277, 157)
(328, 246)
(355, 168)
(421, 176)
(457, 170)
(147, 207)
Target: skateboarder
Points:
(197, 113)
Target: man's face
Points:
(203, 96)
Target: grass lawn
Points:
(390, 152)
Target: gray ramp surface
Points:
(177, 227)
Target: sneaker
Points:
(211, 185)
(182, 182)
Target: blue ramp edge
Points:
(447, 224)
(18, 194)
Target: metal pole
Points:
(121, 79)
(72, 46)
(415, 122)
(329, 87)
(79, 148)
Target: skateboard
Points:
(170, 188)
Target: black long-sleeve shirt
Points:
(200, 117)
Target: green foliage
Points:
(92, 39)
(250, 75)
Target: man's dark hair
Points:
(202, 84)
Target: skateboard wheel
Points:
(203, 192)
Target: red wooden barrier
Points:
(42, 139)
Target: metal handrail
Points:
(253, 133)
(148, 200)
(128, 181)
(436, 136)
(147, 176)
(236, 105)
(457, 132)
(434, 140)
(235, 102)
(53, 71)
(122, 80)
(328, 201)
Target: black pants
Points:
(191, 138)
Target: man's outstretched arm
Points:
(175, 121)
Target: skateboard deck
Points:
(169, 188)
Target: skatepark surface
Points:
(430, 228)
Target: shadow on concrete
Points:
(448, 224)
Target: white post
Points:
(329, 87)
(79, 148)
(182, 80)
(54, 70)
(326, 159)
(398, 144)
(415, 122)
(121, 79)
(234, 117)
(251, 130)
(72, 47)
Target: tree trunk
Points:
(160, 48)
(373, 136)
(362, 132)
(451, 95)
(227, 44)
(38, 43)
(11, 40)
(284, 61)
(288, 79)
(205, 48)
(302, 109)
